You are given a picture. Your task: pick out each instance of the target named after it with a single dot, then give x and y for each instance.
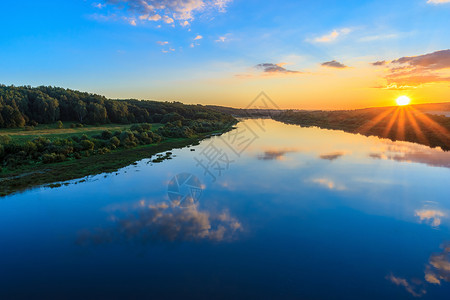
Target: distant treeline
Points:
(21, 106)
(402, 123)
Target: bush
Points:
(106, 135)
(52, 158)
(103, 150)
(137, 128)
(29, 128)
(59, 124)
(5, 139)
(114, 141)
(87, 145)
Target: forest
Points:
(28, 106)
(23, 110)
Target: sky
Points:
(302, 54)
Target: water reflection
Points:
(439, 266)
(412, 287)
(299, 201)
(275, 154)
(145, 222)
(332, 156)
(407, 152)
(329, 184)
(431, 216)
(436, 271)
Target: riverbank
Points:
(55, 173)
(394, 123)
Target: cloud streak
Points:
(275, 68)
(334, 64)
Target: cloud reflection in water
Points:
(163, 222)
(439, 266)
(407, 152)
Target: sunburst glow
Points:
(403, 100)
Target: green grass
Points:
(52, 132)
(48, 174)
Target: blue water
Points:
(283, 212)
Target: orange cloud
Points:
(413, 71)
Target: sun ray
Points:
(372, 123)
(401, 125)
(394, 117)
(441, 132)
(417, 130)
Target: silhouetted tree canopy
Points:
(20, 106)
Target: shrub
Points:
(87, 145)
(52, 158)
(137, 128)
(29, 128)
(5, 139)
(59, 124)
(114, 141)
(103, 150)
(146, 126)
(106, 135)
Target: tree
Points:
(80, 110)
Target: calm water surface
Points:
(283, 213)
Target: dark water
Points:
(298, 214)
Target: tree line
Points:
(400, 124)
(25, 105)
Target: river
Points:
(266, 211)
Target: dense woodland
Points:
(27, 106)
(402, 123)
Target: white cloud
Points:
(198, 37)
(221, 39)
(168, 20)
(332, 36)
(151, 10)
(155, 18)
(162, 43)
(438, 1)
(372, 38)
(99, 5)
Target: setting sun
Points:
(403, 100)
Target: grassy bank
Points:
(42, 174)
(52, 132)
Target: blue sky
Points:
(111, 47)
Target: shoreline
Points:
(53, 174)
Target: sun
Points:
(403, 100)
